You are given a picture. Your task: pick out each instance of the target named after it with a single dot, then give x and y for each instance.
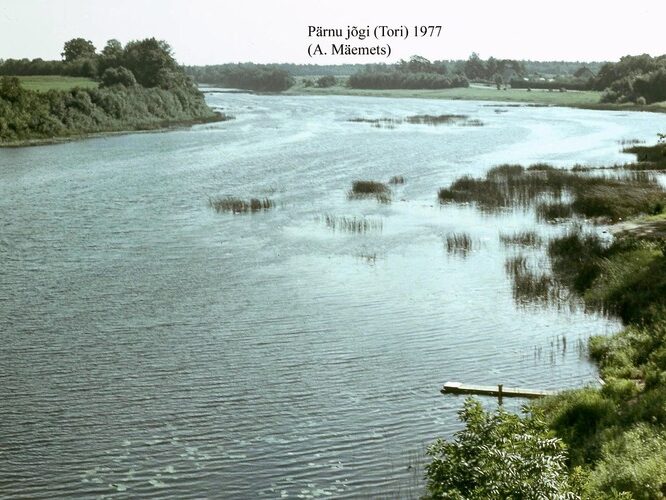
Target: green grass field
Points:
(49, 82)
(569, 98)
(588, 99)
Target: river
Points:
(152, 347)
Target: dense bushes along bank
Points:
(27, 115)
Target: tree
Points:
(326, 81)
(145, 58)
(113, 49)
(10, 89)
(474, 67)
(499, 81)
(498, 456)
(78, 48)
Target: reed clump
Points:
(522, 238)
(238, 205)
(366, 189)
(508, 186)
(528, 286)
(397, 179)
(554, 211)
(459, 243)
(435, 119)
(445, 119)
(649, 154)
(357, 225)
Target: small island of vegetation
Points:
(136, 87)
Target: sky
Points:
(265, 31)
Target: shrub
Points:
(580, 418)
(498, 455)
(633, 462)
(118, 76)
(326, 81)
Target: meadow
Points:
(44, 83)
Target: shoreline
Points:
(157, 127)
(537, 97)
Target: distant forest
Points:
(415, 73)
(543, 68)
(634, 79)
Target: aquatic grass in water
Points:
(377, 121)
(516, 265)
(524, 238)
(552, 212)
(237, 205)
(459, 243)
(356, 225)
(445, 119)
(534, 287)
(473, 122)
(630, 142)
(508, 186)
(397, 179)
(435, 119)
(365, 189)
(540, 167)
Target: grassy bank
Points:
(570, 98)
(586, 99)
(29, 117)
(598, 443)
(136, 87)
(153, 127)
(44, 83)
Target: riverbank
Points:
(614, 435)
(30, 117)
(158, 127)
(587, 99)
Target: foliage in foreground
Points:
(500, 456)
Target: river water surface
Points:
(152, 347)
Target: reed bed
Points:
(238, 205)
(530, 287)
(516, 265)
(509, 186)
(522, 238)
(630, 142)
(445, 119)
(552, 212)
(387, 123)
(435, 119)
(366, 189)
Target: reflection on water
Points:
(153, 347)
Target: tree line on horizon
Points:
(634, 79)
